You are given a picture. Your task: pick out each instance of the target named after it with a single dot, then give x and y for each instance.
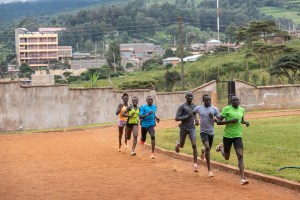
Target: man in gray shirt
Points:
(187, 127)
(207, 115)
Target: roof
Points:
(50, 29)
(192, 57)
(171, 59)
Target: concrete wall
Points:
(46, 107)
(268, 97)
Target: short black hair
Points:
(124, 95)
(205, 95)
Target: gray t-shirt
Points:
(206, 123)
(183, 111)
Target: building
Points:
(141, 51)
(65, 54)
(171, 60)
(51, 30)
(193, 58)
(35, 48)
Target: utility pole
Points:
(181, 52)
(115, 69)
(218, 20)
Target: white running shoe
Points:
(210, 174)
(244, 181)
(195, 167)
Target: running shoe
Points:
(177, 147)
(202, 153)
(119, 149)
(126, 145)
(142, 142)
(244, 181)
(133, 153)
(152, 156)
(218, 148)
(195, 167)
(210, 174)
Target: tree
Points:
(168, 53)
(24, 68)
(170, 79)
(113, 56)
(288, 65)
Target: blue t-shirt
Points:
(149, 120)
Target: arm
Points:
(157, 119)
(244, 122)
(145, 115)
(195, 117)
(126, 111)
(120, 106)
(179, 113)
(221, 122)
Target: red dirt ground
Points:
(86, 165)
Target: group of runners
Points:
(232, 116)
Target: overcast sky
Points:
(7, 1)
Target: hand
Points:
(211, 115)
(149, 113)
(247, 124)
(196, 122)
(234, 121)
(158, 120)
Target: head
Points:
(235, 101)
(206, 100)
(125, 98)
(189, 97)
(149, 100)
(135, 101)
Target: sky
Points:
(7, 1)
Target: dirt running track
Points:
(86, 165)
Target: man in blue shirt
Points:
(148, 117)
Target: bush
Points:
(146, 84)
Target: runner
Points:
(234, 118)
(187, 126)
(122, 120)
(207, 112)
(132, 123)
(148, 117)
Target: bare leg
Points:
(135, 135)
(239, 154)
(207, 154)
(195, 153)
(120, 136)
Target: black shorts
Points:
(237, 143)
(207, 138)
(149, 130)
(131, 125)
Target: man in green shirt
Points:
(234, 118)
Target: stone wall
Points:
(57, 106)
(268, 97)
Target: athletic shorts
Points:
(121, 123)
(149, 130)
(131, 125)
(207, 138)
(184, 132)
(227, 143)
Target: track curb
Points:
(228, 168)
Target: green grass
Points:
(269, 144)
(281, 13)
(58, 129)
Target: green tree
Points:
(168, 53)
(288, 65)
(113, 56)
(24, 68)
(170, 79)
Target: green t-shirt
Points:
(229, 113)
(135, 118)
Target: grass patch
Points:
(282, 13)
(269, 144)
(57, 129)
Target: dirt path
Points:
(87, 165)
